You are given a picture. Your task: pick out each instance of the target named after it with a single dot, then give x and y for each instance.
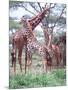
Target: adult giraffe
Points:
(20, 37)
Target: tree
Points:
(54, 20)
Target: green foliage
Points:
(13, 3)
(57, 78)
(54, 78)
(13, 24)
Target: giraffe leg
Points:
(19, 58)
(25, 59)
(50, 67)
(58, 57)
(57, 60)
(15, 64)
(25, 63)
(28, 60)
(14, 60)
(12, 55)
(57, 63)
(25, 56)
(50, 64)
(45, 66)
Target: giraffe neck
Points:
(33, 43)
(37, 19)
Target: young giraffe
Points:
(53, 47)
(32, 43)
(19, 44)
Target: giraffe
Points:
(52, 47)
(18, 43)
(33, 44)
(29, 24)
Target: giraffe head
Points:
(22, 20)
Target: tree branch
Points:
(39, 6)
(28, 10)
(33, 7)
(59, 17)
